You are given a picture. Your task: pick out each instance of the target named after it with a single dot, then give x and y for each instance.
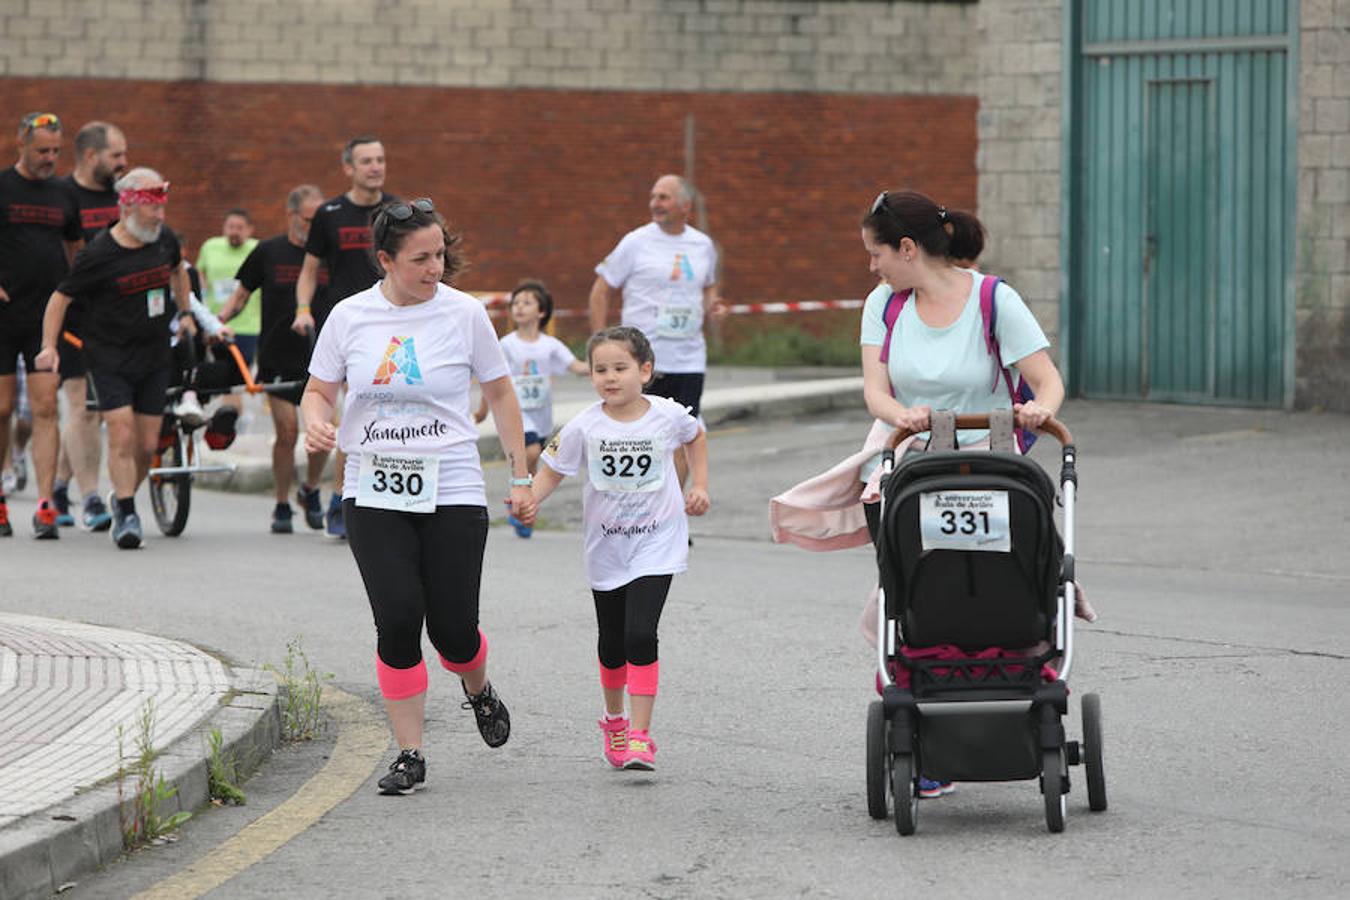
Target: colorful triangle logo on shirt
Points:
(400, 358)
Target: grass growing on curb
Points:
(301, 694)
(142, 820)
(222, 773)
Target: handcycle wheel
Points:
(1092, 752)
(906, 796)
(1052, 787)
(171, 495)
(876, 760)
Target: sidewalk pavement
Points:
(730, 393)
(65, 691)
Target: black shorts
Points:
(144, 392)
(685, 388)
(267, 375)
(532, 437)
(19, 340)
(72, 361)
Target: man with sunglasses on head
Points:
(39, 226)
(340, 237)
(130, 284)
(100, 159)
(274, 268)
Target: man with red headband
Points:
(123, 280)
(39, 225)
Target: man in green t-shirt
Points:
(217, 262)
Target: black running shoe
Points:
(494, 722)
(406, 774)
(312, 503)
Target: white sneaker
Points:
(189, 409)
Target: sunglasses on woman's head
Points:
(399, 212)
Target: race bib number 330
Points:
(400, 483)
(965, 520)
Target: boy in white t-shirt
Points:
(533, 357)
(637, 536)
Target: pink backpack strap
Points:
(894, 304)
(989, 313)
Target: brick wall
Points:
(874, 47)
(544, 182)
(1322, 376)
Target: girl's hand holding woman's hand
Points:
(523, 505)
(1031, 414)
(320, 436)
(696, 502)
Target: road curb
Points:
(720, 406)
(56, 846)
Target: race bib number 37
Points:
(679, 321)
(400, 483)
(629, 465)
(965, 520)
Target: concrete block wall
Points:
(688, 45)
(1322, 256)
(1019, 84)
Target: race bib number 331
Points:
(400, 483)
(965, 520)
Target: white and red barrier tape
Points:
(496, 304)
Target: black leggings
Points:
(420, 567)
(628, 617)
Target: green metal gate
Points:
(1180, 195)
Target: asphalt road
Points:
(1213, 543)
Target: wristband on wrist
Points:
(302, 309)
(527, 481)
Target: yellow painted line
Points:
(361, 742)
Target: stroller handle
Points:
(1051, 426)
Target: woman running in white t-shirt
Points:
(637, 536)
(533, 357)
(414, 501)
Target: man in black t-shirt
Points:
(274, 267)
(39, 226)
(340, 237)
(123, 280)
(100, 159)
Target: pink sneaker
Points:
(616, 741)
(641, 751)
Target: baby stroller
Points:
(977, 603)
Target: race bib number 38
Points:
(630, 465)
(965, 520)
(400, 483)
(531, 390)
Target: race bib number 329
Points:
(400, 483)
(965, 520)
(629, 465)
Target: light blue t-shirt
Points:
(950, 368)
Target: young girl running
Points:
(637, 536)
(533, 357)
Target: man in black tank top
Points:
(274, 267)
(100, 159)
(340, 237)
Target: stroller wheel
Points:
(906, 797)
(876, 761)
(1092, 752)
(1052, 787)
